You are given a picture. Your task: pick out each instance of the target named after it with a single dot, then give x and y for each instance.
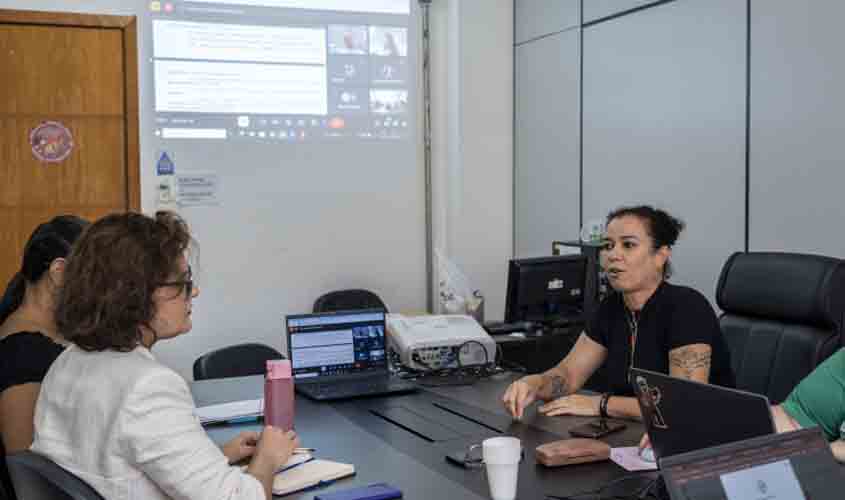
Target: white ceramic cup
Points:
(501, 459)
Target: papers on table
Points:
(629, 459)
(235, 411)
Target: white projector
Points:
(437, 342)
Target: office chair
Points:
(341, 300)
(782, 316)
(239, 360)
(5, 488)
(38, 478)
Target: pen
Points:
(230, 421)
(303, 450)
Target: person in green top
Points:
(818, 401)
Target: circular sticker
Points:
(51, 142)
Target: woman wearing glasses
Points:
(648, 323)
(108, 411)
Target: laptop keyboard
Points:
(354, 388)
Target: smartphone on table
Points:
(596, 429)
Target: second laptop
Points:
(341, 355)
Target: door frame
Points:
(128, 27)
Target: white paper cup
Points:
(501, 458)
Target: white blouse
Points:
(125, 424)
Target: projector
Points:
(436, 342)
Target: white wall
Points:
(664, 123)
(473, 218)
(473, 146)
(548, 129)
(597, 9)
(665, 89)
(797, 104)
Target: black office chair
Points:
(782, 316)
(239, 360)
(36, 477)
(341, 300)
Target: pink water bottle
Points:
(278, 394)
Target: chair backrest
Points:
(239, 360)
(341, 300)
(782, 316)
(36, 477)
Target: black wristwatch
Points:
(603, 405)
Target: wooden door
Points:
(72, 80)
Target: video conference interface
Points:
(335, 344)
(281, 70)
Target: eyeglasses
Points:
(187, 284)
(472, 456)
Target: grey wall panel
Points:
(596, 9)
(546, 171)
(535, 18)
(664, 124)
(797, 105)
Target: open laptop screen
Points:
(682, 415)
(789, 466)
(337, 343)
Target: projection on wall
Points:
(281, 70)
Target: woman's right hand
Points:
(274, 448)
(520, 394)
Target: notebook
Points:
(794, 466)
(302, 471)
(309, 474)
(681, 415)
(341, 354)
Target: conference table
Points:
(403, 439)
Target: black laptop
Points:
(681, 415)
(792, 466)
(341, 355)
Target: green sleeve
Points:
(819, 400)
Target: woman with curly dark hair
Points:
(646, 322)
(108, 411)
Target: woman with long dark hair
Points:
(29, 340)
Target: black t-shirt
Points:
(24, 357)
(674, 316)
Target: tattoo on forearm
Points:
(558, 386)
(689, 359)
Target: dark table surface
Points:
(403, 440)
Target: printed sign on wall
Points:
(51, 142)
(165, 164)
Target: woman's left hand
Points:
(241, 447)
(576, 404)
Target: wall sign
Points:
(51, 142)
(165, 165)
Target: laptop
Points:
(340, 355)
(681, 415)
(792, 466)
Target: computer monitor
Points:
(546, 289)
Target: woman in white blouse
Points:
(108, 411)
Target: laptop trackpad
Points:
(427, 429)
